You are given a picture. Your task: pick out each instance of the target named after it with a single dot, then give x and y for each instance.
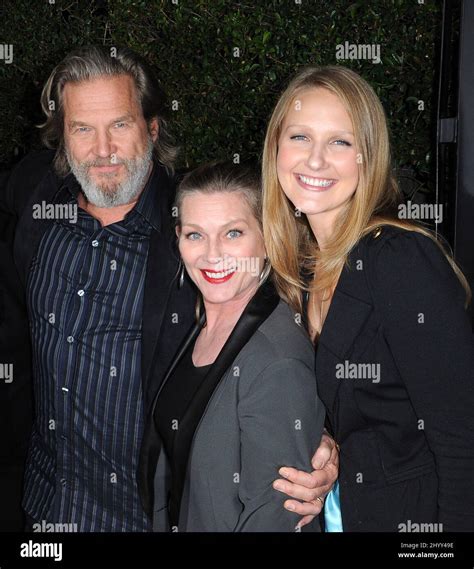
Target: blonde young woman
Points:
(385, 307)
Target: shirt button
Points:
(80, 292)
(70, 339)
(65, 389)
(63, 482)
(95, 243)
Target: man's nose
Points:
(103, 144)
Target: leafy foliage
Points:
(224, 63)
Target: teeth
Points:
(219, 275)
(316, 182)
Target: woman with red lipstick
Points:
(385, 307)
(239, 400)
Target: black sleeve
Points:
(17, 184)
(6, 194)
(428, 331)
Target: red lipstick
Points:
(213, 280)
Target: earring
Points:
(181, 275)
(265, 270)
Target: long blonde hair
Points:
(290, 242)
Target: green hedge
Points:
(225, 101)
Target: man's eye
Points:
(234, 233)
(120, 125)
(193, 235)
(82, 129)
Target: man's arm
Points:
(310, 489)
(5, 202)
(17, 184)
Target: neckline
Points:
(191, 350)
(200, 367)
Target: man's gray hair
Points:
(88, 63)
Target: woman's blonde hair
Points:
(291, 245)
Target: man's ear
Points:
(153, 128)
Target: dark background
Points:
(224, 102)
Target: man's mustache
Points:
(103, 162)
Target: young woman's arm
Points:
(421, 304)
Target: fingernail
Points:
(284, 472)
(317, 465)
(290, 507)
(278, 485)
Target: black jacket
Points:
(406, 427)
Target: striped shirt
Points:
(85, 295)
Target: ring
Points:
(320, 499)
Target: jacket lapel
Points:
(343, 330)
(151, 442)
(163, 299)
(162, 266)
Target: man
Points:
(96, 251)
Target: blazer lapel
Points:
(151, 442)
(162, 266)
(343, 330)
(257, 311)
(161, 295)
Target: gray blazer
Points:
(258, 413)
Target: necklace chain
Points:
(313, 301)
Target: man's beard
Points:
(103, 195)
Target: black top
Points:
(175, 397)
